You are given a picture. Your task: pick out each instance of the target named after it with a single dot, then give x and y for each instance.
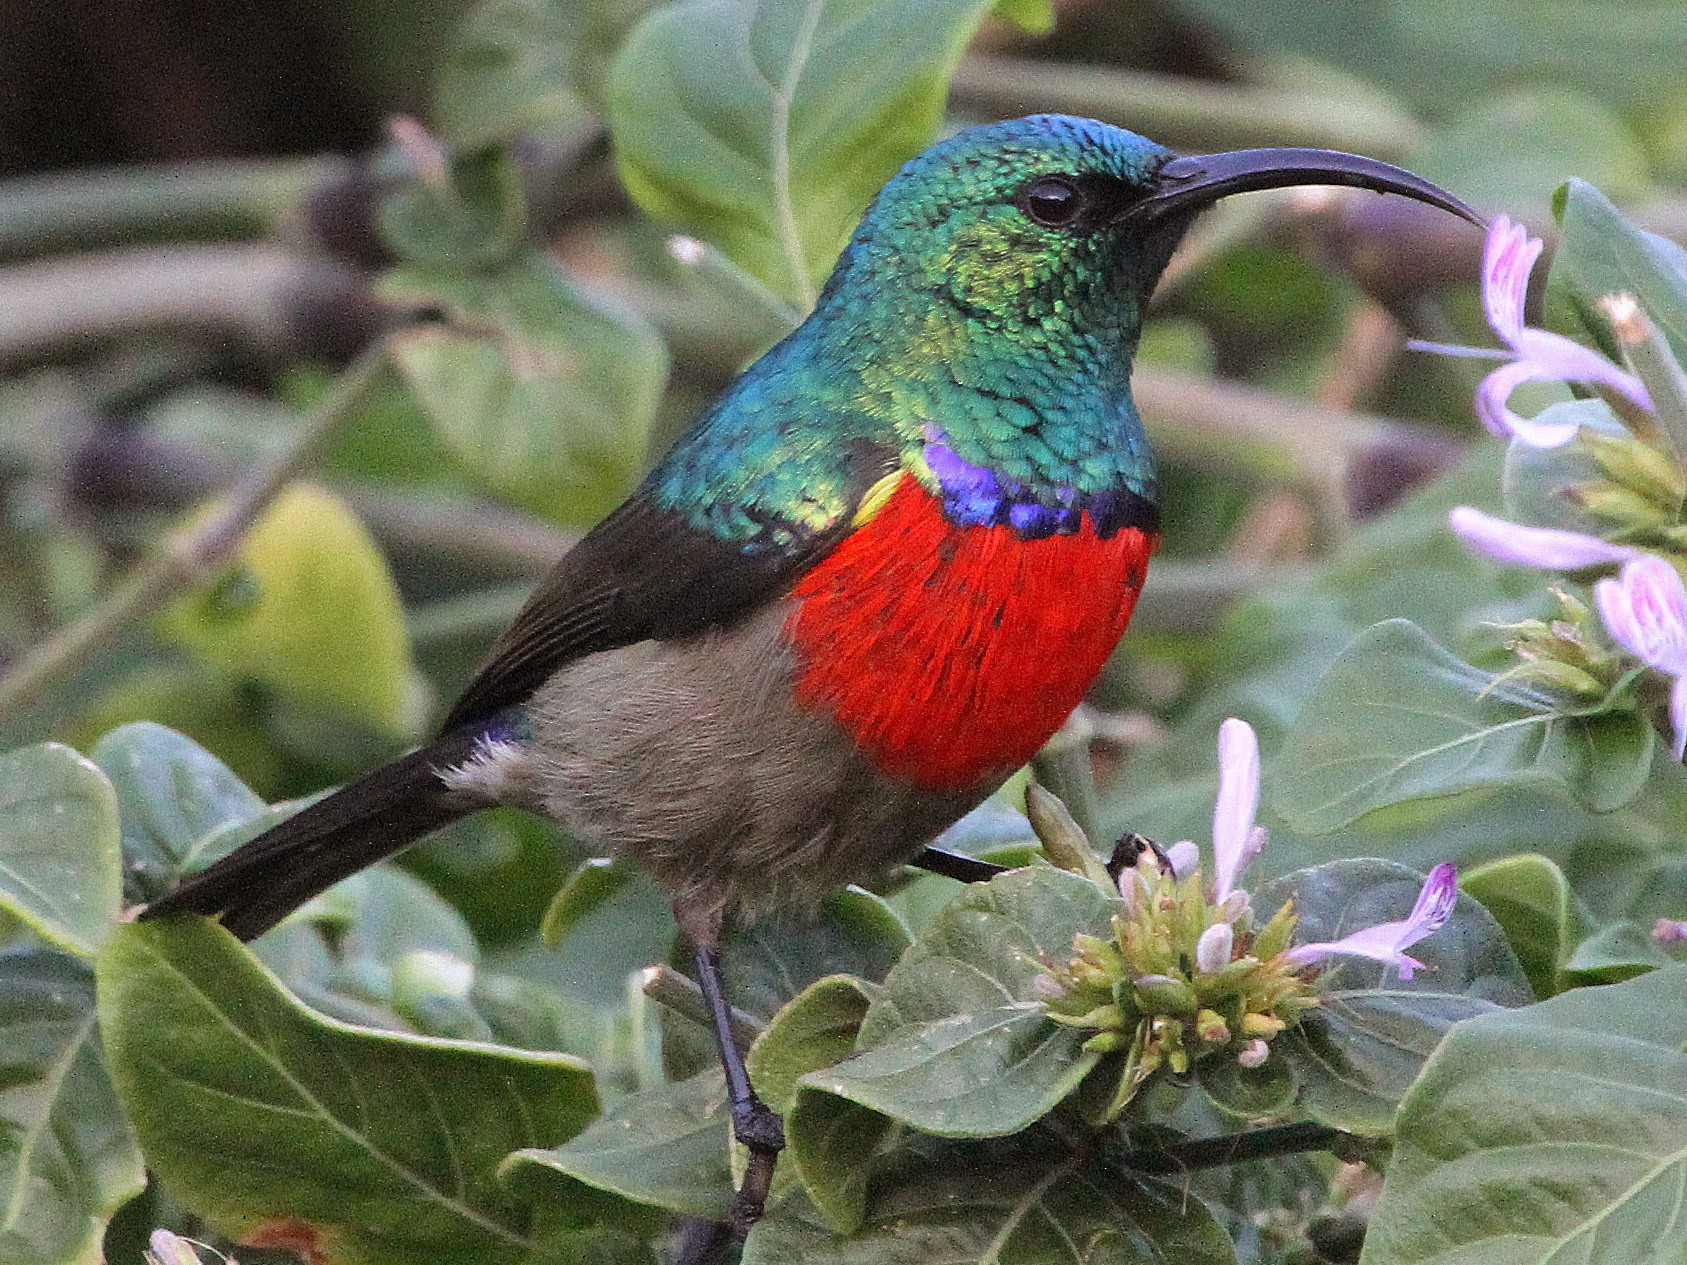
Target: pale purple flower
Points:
(1254, 1053)
(1183, 856)
(1669, 931)
(1235, 837)
(1212, 950)
(1388, 941)
(1645, 611)
(1531, 355)
(1549, 548)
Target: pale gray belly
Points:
(690, 758)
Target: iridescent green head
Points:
(981, 324)
(1014, 222)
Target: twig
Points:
(39, 214)
(680, 994)
(1180, 111)
(255, 289)
(1232, 1148)
(189, 556)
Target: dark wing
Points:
(645, 571)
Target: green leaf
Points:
(664, 1148)
(1600, 253)
(271, 1120)
(60, 859)
(949, 1203)
(67, 1159)
(831, 1143)
(1530, 899)
(1615, 953)
(172, 797)
(1253, 1093)
(957, 1043)
(545, 394)
(1358, 1052)
(1536, 479)
(1512, 150)
(1553, 1133)
(476, 220)
(1439, 55)
(765, 128)
(311, 610)
(1397, 718)
(509, 70)
(594, 882)
(815, 1029)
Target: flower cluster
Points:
(1637, 500)
(1189, 972)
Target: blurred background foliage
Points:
(206, 214)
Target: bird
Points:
(861, 590)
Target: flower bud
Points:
(1105, 1042)
(1211, 1028)
(1255, 1024)
(1635, 465)
(1063, 841)
(1237, 907)
(1163, 995)
(1212, 950)
(1617, 505)
(1185, 858)
(1253, 1054)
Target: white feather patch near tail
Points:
(498, 769)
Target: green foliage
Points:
(1530, 899)
(665, 1147)
(1023, 1205)
(1359, 1052)
(765, 128)
(59, 845)
(1554, 1132)
(310, 610)
(1397, 717)
(545, 394)
(68, 1159)
(957, 1043)
(1601, 253)
(281, 1124)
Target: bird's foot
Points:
(759, 1128)
(1128, 851)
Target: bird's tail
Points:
(257, 885)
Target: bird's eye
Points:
(1053, 201)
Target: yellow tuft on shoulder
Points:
(876, 498)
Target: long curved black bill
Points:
(1188, 183)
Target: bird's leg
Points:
(954, 865)
(754, 1123)
(1128, 851)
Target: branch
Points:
(1233, 1148)
(189, 556)
(1180, 111)
(77, 210)
(680, 994)
(256, 289)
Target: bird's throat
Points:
(950, 652)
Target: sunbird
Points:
(865, 586)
